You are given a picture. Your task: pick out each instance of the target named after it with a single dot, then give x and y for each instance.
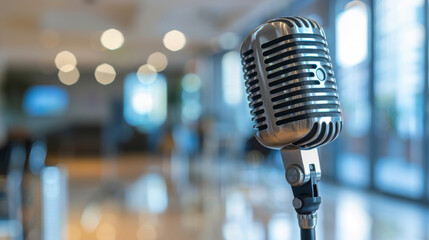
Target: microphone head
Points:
(290, 84)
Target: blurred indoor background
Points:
(127, 119)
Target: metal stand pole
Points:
(303, 173)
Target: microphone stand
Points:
(303, 173)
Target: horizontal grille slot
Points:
(253, 82)
(304, 91)
(293, 85)
(255, 89)
(259, 112)
(307, 107)
(262, 127)
(291, 69)
(293, 44)
(330, 81)
(298, 59)
(256, 105)
(252, 89)
(251, 75)
(327, 66)
(291, 36)
(305, 99)
(256, 97)
(247, 53)
(290, 78)
(259, 120)
(250, 67)
(249, 60)
(293, 52)
(306, 116)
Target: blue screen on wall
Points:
(44, 100)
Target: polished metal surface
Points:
(297, 203)
(290, 84)
(295, 175)
(307, 221)
(300, 160)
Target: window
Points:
(145, 101)
(353, 81)
(399, 82)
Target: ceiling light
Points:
(70, 77)
(146, 73)
(105, 74)
(112, 39)
(158, 60)
(174, 40)
(65, 61)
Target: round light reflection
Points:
(191, 82)
(146, 73)
(142, 103)
(112, 39)
(69, 78)
(158, 60)
(174, 40)
(65, 61)
(228, 41)
(105, 74)
(106, 232)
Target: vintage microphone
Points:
(294, 102)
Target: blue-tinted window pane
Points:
(145, 101)
(353, 81)
(234, 94)
(399, 66)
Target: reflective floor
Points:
(144, 197)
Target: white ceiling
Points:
(79, 24)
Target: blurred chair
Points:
(21, 164)
(31, 189)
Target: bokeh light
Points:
(45, 100)
(112, 39)
(352, 34)
(105, 74)
(228, 41)
(70, 77)
(191, 82)
(174, 40)
(142, 103)
(158, 61)
(146, 73)
(65, 61)
(91, 217)
(74, 232)
(145, 107)
(106, 231)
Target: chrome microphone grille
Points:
(290, 84)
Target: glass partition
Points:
(353, 80)
(399, 85)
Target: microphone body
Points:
(294, 102)
(290, 84)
